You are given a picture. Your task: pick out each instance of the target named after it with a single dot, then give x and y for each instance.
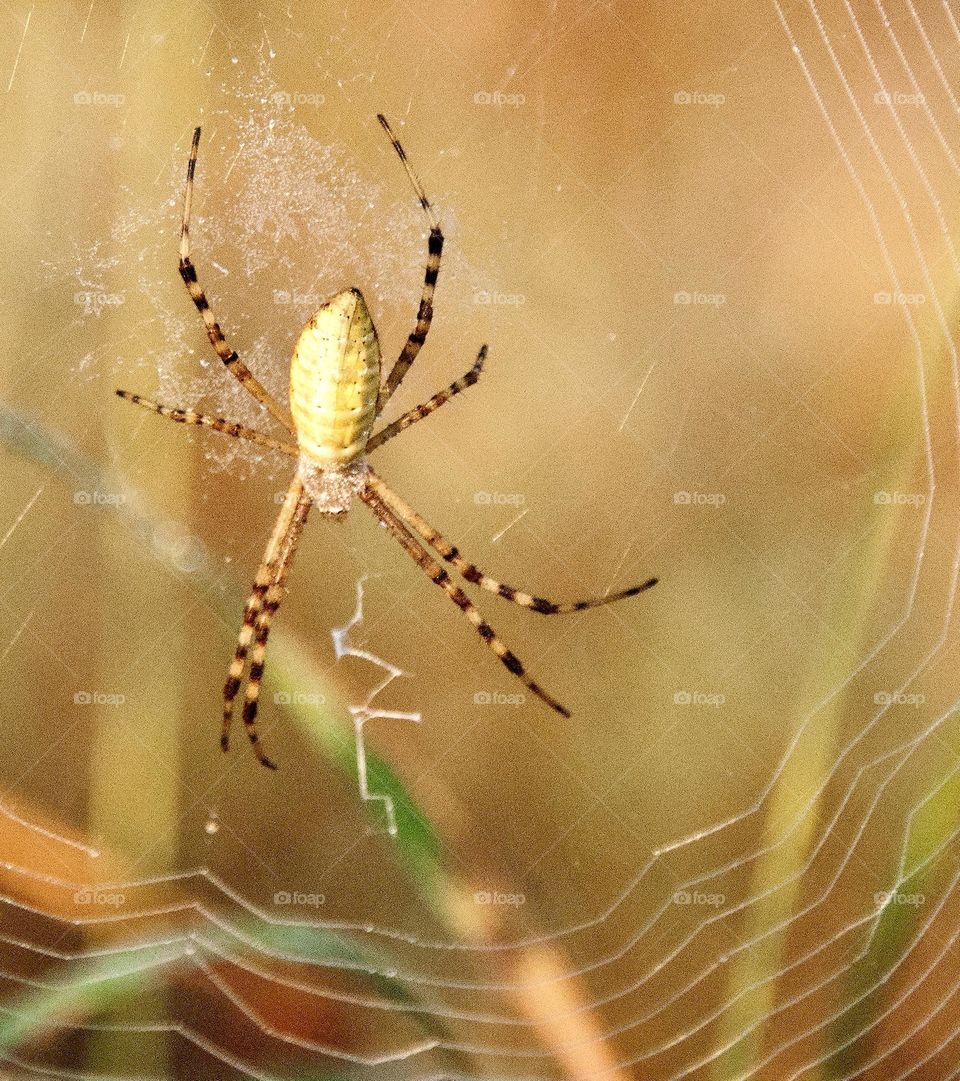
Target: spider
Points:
(336, 396)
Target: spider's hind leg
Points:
(261, 606)
(271, 603)
(472, 573)
(439, 577)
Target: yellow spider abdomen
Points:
(334, 381)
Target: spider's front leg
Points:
(425, 312)
(188, 272)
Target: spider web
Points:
(738, 860)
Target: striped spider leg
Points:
(218, 424)
(468, 379)
(396, 514)
(471, 573)
(188, 272)
(268, 590)
(268, 585)
(439, 577)
(270, 582)
(425, 312)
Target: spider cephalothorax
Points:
(336, 396)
